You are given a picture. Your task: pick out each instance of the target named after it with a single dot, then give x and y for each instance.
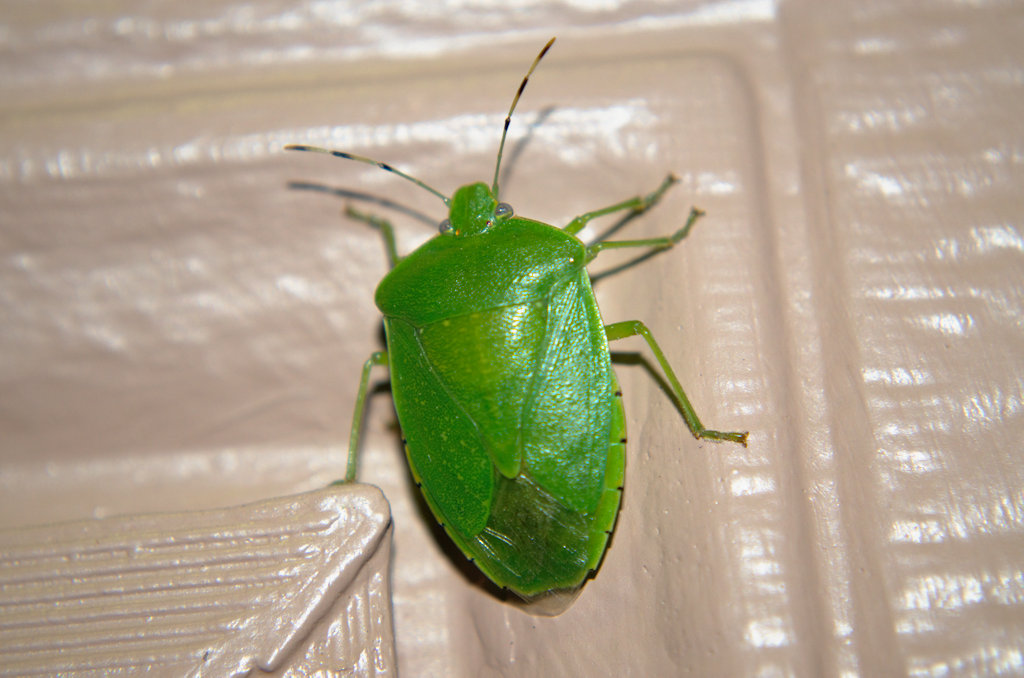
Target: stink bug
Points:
(502, 381)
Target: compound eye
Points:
(445, 226)
(503, 210)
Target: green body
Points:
(503, 385)
(502, 381)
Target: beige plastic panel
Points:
(290, 586)
(180, 329)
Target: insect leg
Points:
(383, 225)
(631, 328)
(375, 359)
(656, 244)
(635, 204)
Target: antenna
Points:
(370, 161)
(508, 118)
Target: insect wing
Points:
(442, 443)
(568, 416)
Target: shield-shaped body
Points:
(510, 411)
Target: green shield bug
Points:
(501, 377)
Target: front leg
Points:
(387, 231)
(656, 244)
(636, 204)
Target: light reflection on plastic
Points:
(995, 407)
(916, 462)
(906, 292)
(747, 485)
(736, 11)
(991, 659)
(881, 119)
(767, 632)
(305, 289)
(897, 376)
(948, 323)
(478, 133)
(876, 45)
(874, 182)
(578, 134)
(917, 532)
(1001, 237)
(709, 183)
(955, 591)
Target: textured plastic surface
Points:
(292, 586)
(180, 329)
